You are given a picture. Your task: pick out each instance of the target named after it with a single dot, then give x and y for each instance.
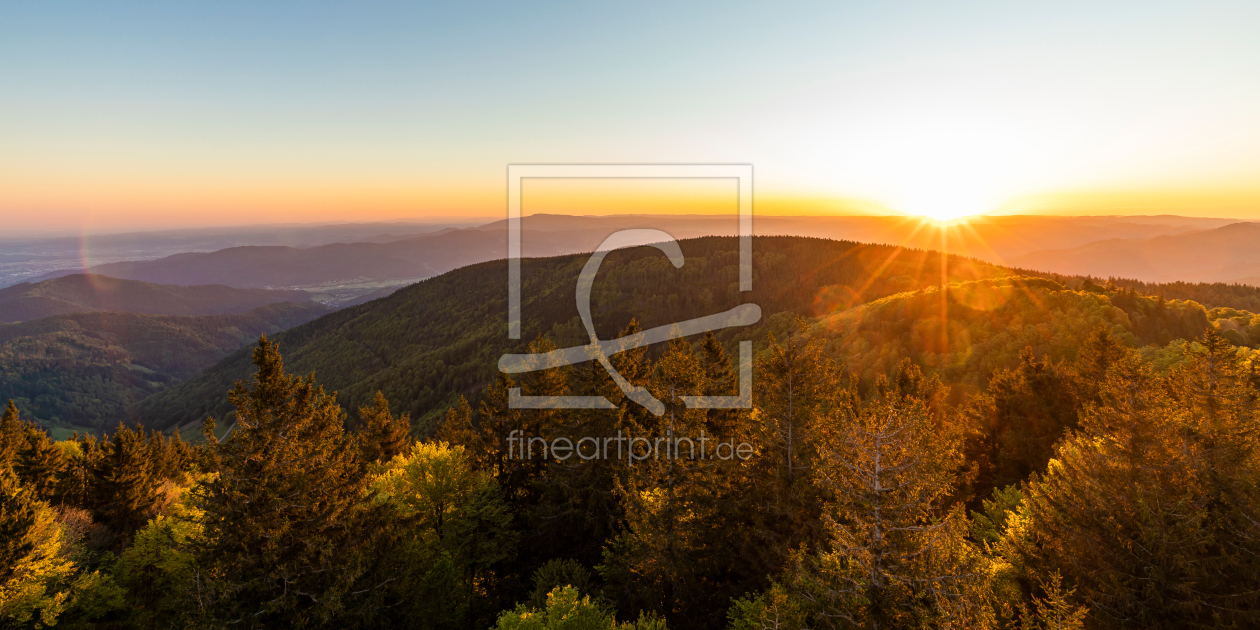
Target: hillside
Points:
(81, 293)
(426, 343)
(84, 369)
(429, 342)
(991, 321)
(1224, 254)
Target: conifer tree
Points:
(895, 555)
(40, 464)
(125, 491)
(457, 429)
(286, 530)
(1133, 513)
(12, 435)
(1018, 420)
(382, 435)
(797, 391)
(665, 497)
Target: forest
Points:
(85, 370)
(434, 341)
(1093, 493)
(933, 442)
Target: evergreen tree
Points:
(382, 435)
(457, 429)
(797, 392)
(1018, 420)
(125, 491)
(657, 561)
(895, 556)
(12, 436)
(40, 464)
(1134, 511)
(286, 530)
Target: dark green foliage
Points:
(18, 508)
(87, 369)
(429, 343)
(1150, 511)
(1019, 419)
(12, 435)
(40, 465)
(557, 573)
(126, 490)
(284, 521)
(382, 435)
(1210, 294)
(80, 293)
(1105, 492)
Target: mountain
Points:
(402, 261)
(991, 238)
(84, 369)
(25, 258)
(1225, 254)
(359, 268)
(430, 342)
(81, 293)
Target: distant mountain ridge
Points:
(81, 293)
(394, 261)
(1230, 253)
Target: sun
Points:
(943, 215)
(941, 211)
(943, 196)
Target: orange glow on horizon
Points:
(105, 201)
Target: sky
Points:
(174, 114)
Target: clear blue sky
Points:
(225, 111)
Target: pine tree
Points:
(895, 556)
(286, 531)
(12, 436)
(797, 391)
(1132, 515)
(457, 429)
(40, 464)
(664, 497)
(1224, 431)
(125, 491)
(1018, 420)
(381, 434)
(18, 507)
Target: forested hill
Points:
(83, 370)
(430, 342)
(988, 323)
(81, 293)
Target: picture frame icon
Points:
(599, 350)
